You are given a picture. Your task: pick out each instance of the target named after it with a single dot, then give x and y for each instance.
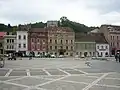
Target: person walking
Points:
(117, 57)
(30, 55)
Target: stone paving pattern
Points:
(59, 74)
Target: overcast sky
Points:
(88, 12)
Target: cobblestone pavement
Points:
(57, 74)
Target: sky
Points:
(88, 12)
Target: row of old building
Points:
(62, 41)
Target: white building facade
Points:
(102, 49)
(22, 41)
(10, 43)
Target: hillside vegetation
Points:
(63, 22)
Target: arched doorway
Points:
(62, 51)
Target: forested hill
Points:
(63, 22)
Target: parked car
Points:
(61, 56)
(38, 56)
(77, 56)
(11, 56)
(53, 56)
(82, 56)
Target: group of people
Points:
(117, 57)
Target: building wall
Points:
(2, 45)
(61, 40)
(102, 50)
(52, 23)
(112, 35)
(83, 47)
(10, 42)
(22, 41)
(37, 42)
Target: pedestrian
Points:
(117, 57)
(30, 55)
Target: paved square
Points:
(60, 85)
(3, 72)
(37, 72)
(7, 78)
(114, 75)
(59, 74)
(29, 81)
(4, 86)
(18, 73)
(55, 72)
(72, 71)
(103, 88)
(113, 82)
(80, 79)
(94, 70)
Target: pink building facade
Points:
(37, 40)
(112, 35)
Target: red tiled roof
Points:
(55, 29)
(37, 30)
(98, 38)
(2, 34)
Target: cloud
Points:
(89, 12)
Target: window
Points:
(38, 46)
(117, 37)
(106, 47)
(113, 44)
(19, 46)
(66, 47)
(55, 41)
(12, 40)
(50, 47)
(32, 40)
(24, 45)
(118, 44)
(80, 53)
(19, 37)
(37, 40)
(66, 41)
(111, 37)
(71, 41)
(76, 53)
(93, 53)
(55, 47)
(24, 37)
(61, 47)
(61, 41)
(71, 47)
(106, 53)
(0, 44)
(97, 47)
(71, 54)
(7, 40)
(44, 42)
(66, 53)
(90, 53)
(102, 47)
(12, 47)
(50, 41)
(7, 47)
(101, 54)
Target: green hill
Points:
(63, 22)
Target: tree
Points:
(77, 27)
